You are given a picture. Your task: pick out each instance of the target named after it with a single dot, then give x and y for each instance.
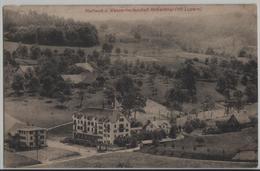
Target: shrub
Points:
(188, 127)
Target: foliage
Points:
(48, 30)
(173, 131)
(106, 47)
(208, 103)
(251, 93)
(18, 84)
(129, 95)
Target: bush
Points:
(188, 127)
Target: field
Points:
(48, 154)
(12, 160)
(219, 146)
(60, 132)
(38, 111)
(141, 160)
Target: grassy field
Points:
(38, 111)
(48, 154)
(212, 145)
(141, 160)
(60, 132)
(12, 160)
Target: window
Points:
(88, 128)
(41, 137)
(121, 119)
(115, 125)
(31, 144)
(31, 138)
(88, 123)
(121, 128)
(31, 132)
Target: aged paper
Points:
(130, 86)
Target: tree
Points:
(109, 92)
(210, 51)
(129, 95)
(35, 52)
(47, 52)
(81, 97)
(238, 95)
(187, 75)
(18, 84)
(22, 51)
(173, 132)
(118, 51)
(251, 93)
(81, 55)
(137, 36)
(208, 103)
(100, 81)
(107, 47)
(227, 82)
(33, 84)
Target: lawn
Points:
(38, 111)
(48, 154)
(141, 160)
(13, 160)
(60, 132)
(220, 145)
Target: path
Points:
(51, 128)
(85, 152)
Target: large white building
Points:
(99, 125)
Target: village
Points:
(126, 94)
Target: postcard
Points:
(130, 86)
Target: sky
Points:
(130, 12)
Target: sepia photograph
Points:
(130, 86)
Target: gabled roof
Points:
(86, 66)
(26, 61)
(103, 115)
(26, 68)
(79, 78)
(75, 78)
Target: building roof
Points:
(75, 78)
(79, 78)
(26, 68)
(103, 115)
(21, 126)
(86, 66)
(26, 61)
(30, 128)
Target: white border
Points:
(111, 2)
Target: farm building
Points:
(99, 125)
(26, 61)
(158, 125)
(76, 80)
(85, 66)
(214, 115)
(25, 69)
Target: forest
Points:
(43, 29)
